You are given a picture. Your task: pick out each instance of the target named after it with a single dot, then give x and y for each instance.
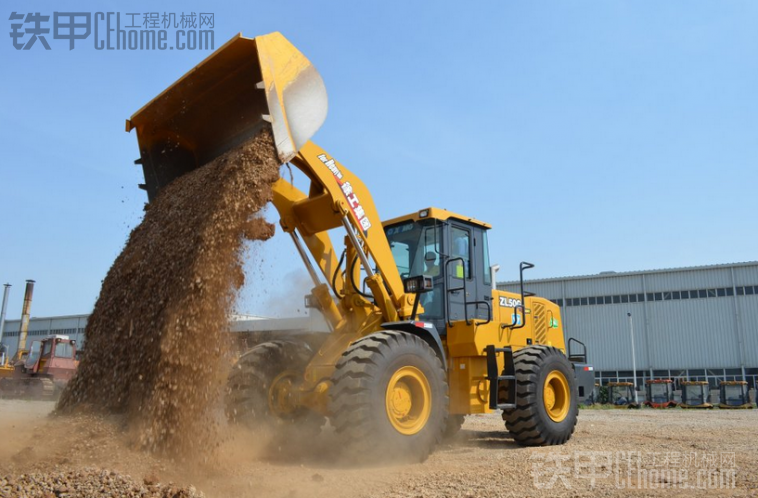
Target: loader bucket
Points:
(246, 84)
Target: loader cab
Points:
(659, 393)
(734, 394)
(453, 251)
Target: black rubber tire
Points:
(454, 424)
(358, 398)
(246, 399)
(529, 423)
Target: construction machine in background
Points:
(42, 371)
(696, 394)
(621, 395)
(733, 394)
(659, 393)
(419, 336)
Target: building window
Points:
(748, 290)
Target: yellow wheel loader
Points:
(419, 336)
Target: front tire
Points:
(546, 398)
(389, 398)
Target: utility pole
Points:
(634, 361)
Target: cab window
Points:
(64, 350)
(461, 248)
(415, 247)
(33, 355)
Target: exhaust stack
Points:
(25, 310)
(4, 307)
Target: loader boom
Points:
(337, 197)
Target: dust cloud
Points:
(156, 340)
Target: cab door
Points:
(458, 270)
(467, 280)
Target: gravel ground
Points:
(619, 452)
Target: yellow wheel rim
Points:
(408, 400)
(556, 396)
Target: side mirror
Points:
(418, 284)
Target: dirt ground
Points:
(620, 452)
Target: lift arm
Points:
(337, 197)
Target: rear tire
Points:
(389, 398)
(546, 398)
(250, 400)
(454, 424)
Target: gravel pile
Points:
(156, 338)
(89, 483)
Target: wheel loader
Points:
(419, 336)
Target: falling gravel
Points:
(156, 339)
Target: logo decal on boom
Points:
(347, 191)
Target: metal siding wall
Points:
(605, 330)
(748, 307)
(746, 275)
(604, 286)
(693, 334)
(691, 279)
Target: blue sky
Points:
(592, 135)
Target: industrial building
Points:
(696, 323)
(73, 326)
